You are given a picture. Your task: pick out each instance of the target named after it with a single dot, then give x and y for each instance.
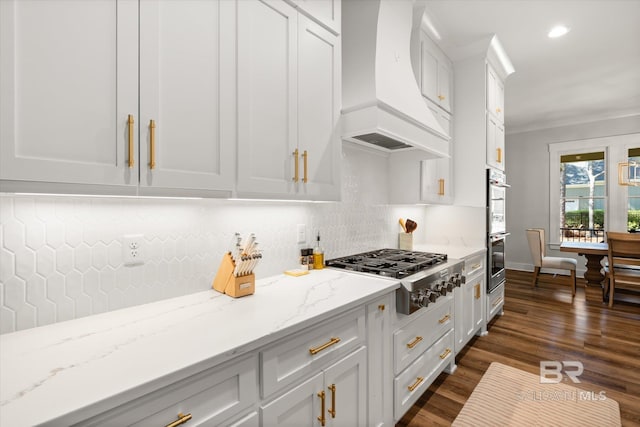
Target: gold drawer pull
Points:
(497, 302)
(445, 354)
(381, 307)
(182, 418)
(332, 411)
(445, 318)
(316, 350)
(414, 342)
(321, 417)
(441, 187)
(441, 97)
(477, 290)
(475, 266)
(130, 125)
(416, 384)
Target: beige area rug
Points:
(507, 396)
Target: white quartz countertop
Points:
(452, 251)
(69, 370)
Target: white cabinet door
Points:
(495, 143)
(327, 12)
(495, 95)
(437, 185)
(69, 80)
(298, 407)
(267, 97)
(445, 77)
(436, 74)
(319, 96)
(478, 301)
(346, 391)
(429, 75)
(187, 81)
(380, 361)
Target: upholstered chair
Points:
(536, 239)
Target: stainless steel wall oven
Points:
(496, 227)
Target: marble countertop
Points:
(70, 370)
(456, 251)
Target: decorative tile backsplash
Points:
(61, 256)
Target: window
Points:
(582, 196)
(585, 199)
(633, 196)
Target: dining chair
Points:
(623, 267)
(535, 237)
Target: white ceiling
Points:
(591, 73)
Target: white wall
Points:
(60, 256)
(527, 171)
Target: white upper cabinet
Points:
(288, 104)
(437, 181)
(71, 97)
(326, 12)
(495, 143)
(495, 94)
(436, 74)
(69, 81)
(187, 79)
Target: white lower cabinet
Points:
(207, 399)
(337, 396)
(380, 360)
(469, 298)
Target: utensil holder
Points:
(226, 283)
(405, 241)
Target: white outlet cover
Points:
(133, 249)
(301, 233)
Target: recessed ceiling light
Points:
(558, 31)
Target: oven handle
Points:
(498, 236)
(498, 184)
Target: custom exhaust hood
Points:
(382, 103)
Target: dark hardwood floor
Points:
(545, 324)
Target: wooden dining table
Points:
(593, 252)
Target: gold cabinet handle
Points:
(130, 125)
(414, 342)
(152, 144)
(332, 410)
(441, 97)
(441, 187)
(321, 417)
(499, 155)
(182, 418)
(477, 290)
(316, 350)
(415, 384)
(498, 110)
(445, 354)
(445, 318)
(381, 307)
(296, 175)
(304, 165)
(475, 266)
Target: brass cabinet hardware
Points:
(416, 383)
(316, 350)
(381, 307)
(441, 187)
(321, 417)
(130, 125)
(474, 266)
(477, 290)
(304, 165)
(332, 410)
(414, 342)
(499, 155)
(441, 97)
(497, 302)
(445, 318)
(152, 144)
(182, 418)
(296, 175)
(498, 110)
(445, 354)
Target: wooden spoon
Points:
(411, 225)
(404, 227)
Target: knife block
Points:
(226, 283)
(405, 241)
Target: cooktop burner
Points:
(396, 263)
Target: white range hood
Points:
(382, 103)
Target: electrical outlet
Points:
(301, 233)
(133, 249)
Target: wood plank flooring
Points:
(545, 324)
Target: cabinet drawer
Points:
(413, 382)
(210, 397)
(474, 265)
(307, 352)
(418, 335)
(495, 302)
